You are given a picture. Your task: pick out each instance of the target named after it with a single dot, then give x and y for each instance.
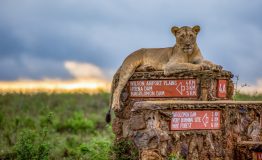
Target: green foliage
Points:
(1, 119)
(97, 148)
(174, 156)
(25, 146)
(43, 151)
(62, 126)
(78, 123)
(124, 150)
(238, 96)
(246, 97)
(29, 147)
(54, 126)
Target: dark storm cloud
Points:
(47, 33)
(31, 68)
(50, 32)
(9, 43)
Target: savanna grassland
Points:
(58, 126)
(54, 126)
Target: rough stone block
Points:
(137, 122)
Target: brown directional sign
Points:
(221, 88)
(258, 155)
(163, 88)
(195, 119)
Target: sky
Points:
(68, 39)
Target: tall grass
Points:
(61, 126)
(247, 97)
(54, 126)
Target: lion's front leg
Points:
(211, 65)
(171, 68)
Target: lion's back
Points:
(156, 56)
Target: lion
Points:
(184, 55)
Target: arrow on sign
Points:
(205, 120)
(180, 88)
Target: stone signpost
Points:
(190, 114)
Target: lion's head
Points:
(186, 37)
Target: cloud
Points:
(84, 70)
(104, 33)
(29, 67)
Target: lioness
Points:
(185, 55)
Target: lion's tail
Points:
(113, 87)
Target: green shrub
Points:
(73, 141)
(25, 148)
(246, 97)
(29, 146)
(43, 151)
(174, 156)
(54, 126)
(97, 148)
(47, 120)
(78, 123)
(28, 122)
(1, 119)
(124, 150)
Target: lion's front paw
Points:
(217, 68)
(204, 67)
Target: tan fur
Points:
(185, 55)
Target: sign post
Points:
(163, 88)
(194, 119)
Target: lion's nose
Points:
(187, 44)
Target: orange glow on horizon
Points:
(54, 86)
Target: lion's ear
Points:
(174, 29)
(196, 29)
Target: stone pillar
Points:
(189, 115)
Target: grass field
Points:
(54, 126)
(58, 126)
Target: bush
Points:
(1, 119)
(43, 151)
(25, 148)
(124, 150)
(30, 147)
(174, 156)
(77, 123)
(98, 148)
(246, 97)
(54, 126)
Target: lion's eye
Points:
(182, 36)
